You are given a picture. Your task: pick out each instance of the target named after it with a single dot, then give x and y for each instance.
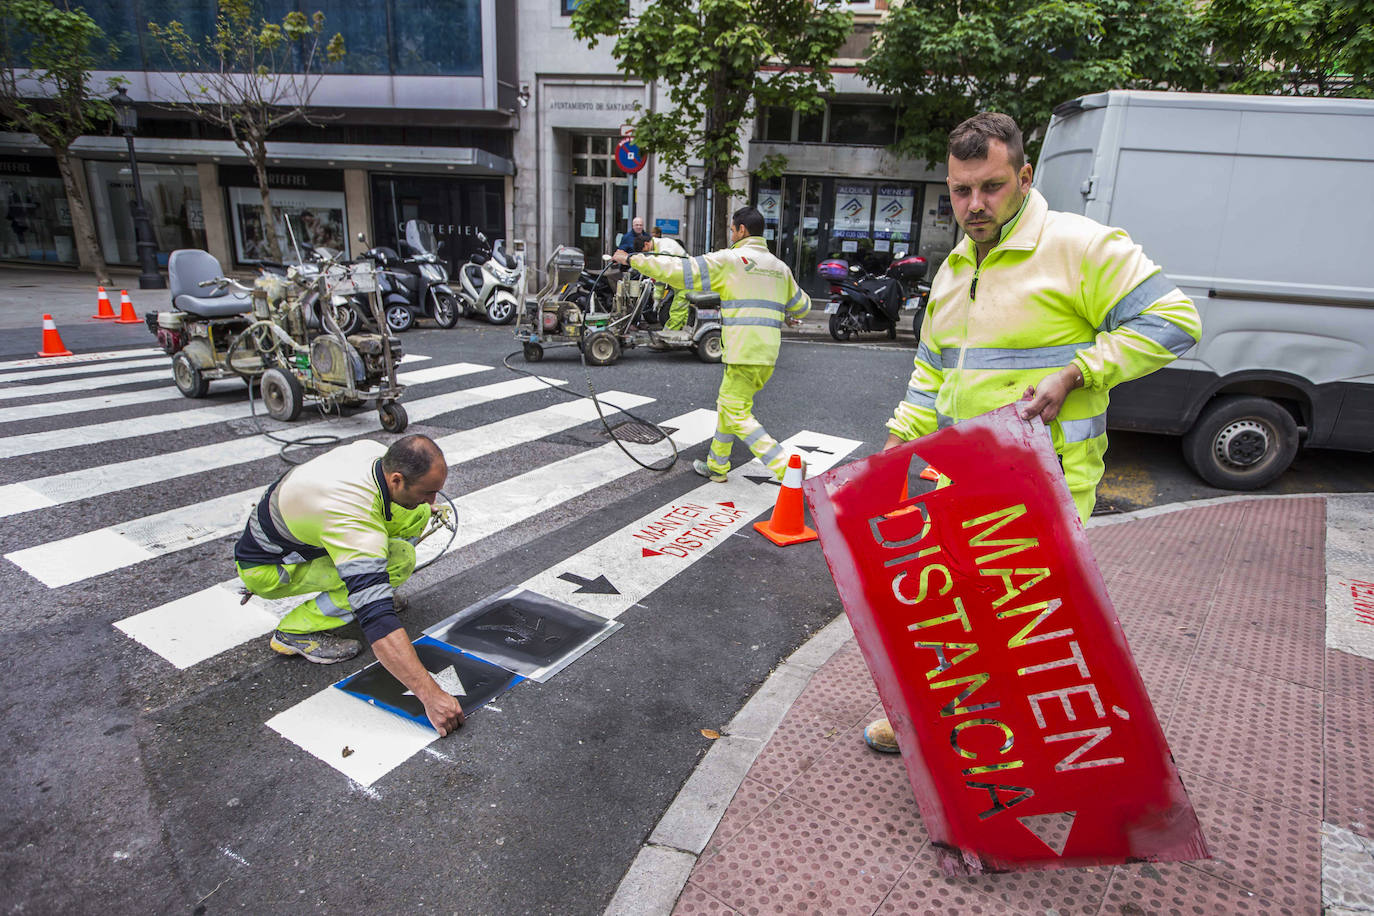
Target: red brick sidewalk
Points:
(1273, 734)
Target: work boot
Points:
(880, 736)
(320, 648)
(702, 468)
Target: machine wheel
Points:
(501, 310)
(533, 353)
(602, 348)
(281, 394)
(188, 377)
(399, 318)
(445, 310)
(346, 316)
(392, 417)
(837, 328)
(1241, 442)
(709, 348)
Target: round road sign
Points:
(628, 157)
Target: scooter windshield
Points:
(420, 236)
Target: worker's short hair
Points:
(970, 139)
(412, 457)
(749, 218)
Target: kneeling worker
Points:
(343, 525)
(757, 293)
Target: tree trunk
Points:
(269, 217)
(717, 179)
(87, 247)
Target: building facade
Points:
(416, 121)
(476, 115)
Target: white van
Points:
(1261, 209)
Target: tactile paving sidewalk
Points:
(1224, 609)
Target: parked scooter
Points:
(414, 285)
(861, 302)
(491, 283)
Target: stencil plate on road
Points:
(480, 681)
(524, 632)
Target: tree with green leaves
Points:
(946, 61)
(250, 76)
(720, 60)
(46, 58)
(1295, 47)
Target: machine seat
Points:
(214, 306)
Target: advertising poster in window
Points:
(770, 204)
(853, 210)
(317, 217)
(892, 213)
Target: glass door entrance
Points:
(601, 213)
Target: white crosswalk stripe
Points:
(96, 402)
(56, 489)
(66, 386)
(72, 436)
(110, 356)
(94, 553)
(72, 371)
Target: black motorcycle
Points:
(862, 302)
(414, 285)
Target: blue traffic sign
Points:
(628, 157)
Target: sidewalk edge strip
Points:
(660, 870)
(1098, 521)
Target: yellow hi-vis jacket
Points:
(1057, 288)
(757, 294)
(669, 246)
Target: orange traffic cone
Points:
(126, 310)
(102, 305)
(52, 341)
(927, 473)
(788, 524)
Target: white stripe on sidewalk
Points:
(71, 371)
(112, 355)
(56, 489)
(316, 724)
(85, 384)
(199, 626)
(73, 436)
(678, 534)
(94, 553)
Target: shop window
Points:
(568, 6)
(35, 220)
(438, 37)
(364, 29)
(172, 195)
(862, 125)
(811, 127)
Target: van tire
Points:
(1241, 442)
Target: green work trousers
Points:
(677, 313)
(329, 608)
(735, 418)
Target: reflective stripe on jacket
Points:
(757, 294)
(1058, 288)
(335, 505)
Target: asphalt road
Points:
(131, 785)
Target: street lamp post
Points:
(127, 116)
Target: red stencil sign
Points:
(1024, 726)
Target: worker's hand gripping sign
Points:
(1024, 726)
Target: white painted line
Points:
(112, 355)
(83, 556)
(73, 436)
(56, 489)
(70, 371)
(83, 384)
(643, 555)
(220, 623)
(378, 740)
(98, 402)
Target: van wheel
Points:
(1241, 442)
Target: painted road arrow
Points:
(652, 550)
(598, 586)
(757, 480)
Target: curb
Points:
(660, 869)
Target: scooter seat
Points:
(214, 306)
